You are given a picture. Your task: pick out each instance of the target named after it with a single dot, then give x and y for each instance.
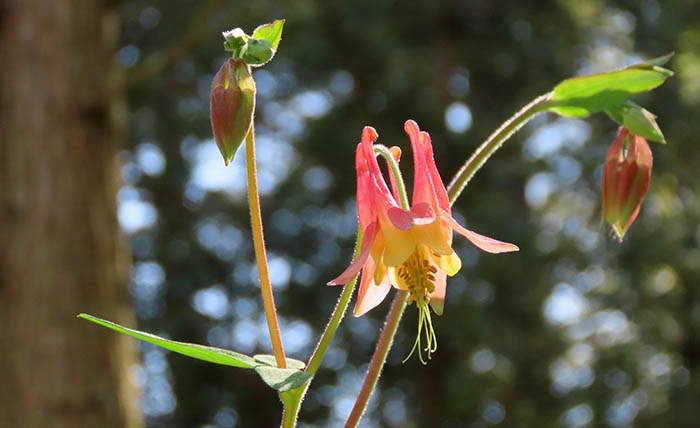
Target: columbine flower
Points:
(231, 106)
(626, 177)
(411, 250)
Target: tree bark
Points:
(60, 247)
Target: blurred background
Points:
(116, 202)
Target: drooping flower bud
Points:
(231, 106)
(626, 176)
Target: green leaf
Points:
(282, 379)
(235, 41)
(581, 96)
(269, 360)
(258, 53)
(638, 121)
(206, 353)
(271, 32)
(661, 60)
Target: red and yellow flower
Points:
(409, 249)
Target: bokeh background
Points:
(576, 330)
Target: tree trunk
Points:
(60, 247)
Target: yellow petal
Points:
(434, 237)
(399, 244)
(379, 272)
(450, 264)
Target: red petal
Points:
(370, 294)
(362, 260)
(428, 186)
(366, 209)
(422, 214)
(403, 220)
(487, 244)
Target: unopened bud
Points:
(231, 106)
(626, 176)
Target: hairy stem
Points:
(396, 172)
(291, 408)
(493, 143)
(336, 317)
(379, 358)
(260, 254)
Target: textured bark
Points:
(60, 248)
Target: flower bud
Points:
(626, 176)
(231, 106)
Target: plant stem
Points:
(378, 358)
(291, 408)
(394, 169)
(260, 254)
(493, 143)
(336, 317)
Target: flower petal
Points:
(422, 214)
(450, 264)
(437, 297)
(428, 186)
(485, 243)
(370, 294)
(396, 153)
(403, 220)
(362, 260)
(398, 244)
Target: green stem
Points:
(394, 166)
(336, 317)
(493, 143)
(291, 404)
(378, 358)
(260, 254)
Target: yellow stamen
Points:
(417, 276)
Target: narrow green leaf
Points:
(581, 96)
(282, 379)
(269, 360)
(661, 60)
(201, 352)
(271, 32)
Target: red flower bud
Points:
(626, 176)
(231, 106)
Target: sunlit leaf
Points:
(282, 379)
(581, 96)
(201, 352)
(638, 121)
(271, 32)
(269, 360)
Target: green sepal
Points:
(585, 95)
